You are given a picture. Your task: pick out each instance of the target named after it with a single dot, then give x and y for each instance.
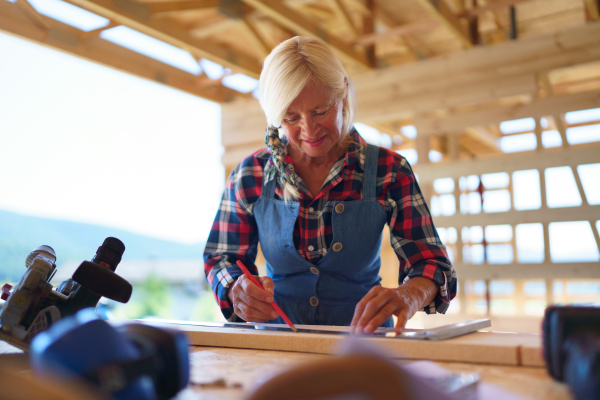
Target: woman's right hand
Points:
(250, 302)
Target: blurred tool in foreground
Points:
(571, 346)
(32, 306)
(131, 361)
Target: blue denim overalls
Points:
(324, 293)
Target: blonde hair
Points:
(289, 67)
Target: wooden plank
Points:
(402, 30)
(342, 14)
(445, 15)
(261, 46)
(233, 155)
(137, 16)
(573, 156)
(33, 15)
(242, 122)
(592, 8)
(545, 216)
(302, 26)
(181, 5)
(575, 270)
(531, 353)
(479, 347)
(389, 103)
(247, 368)
(537, 108)
(534, 54)
(497, 5)
(66, 39)
(484, 136)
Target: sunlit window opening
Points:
(561, 189)
(108, 154)
(568, 247)
(151, 47)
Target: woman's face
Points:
(313, 122)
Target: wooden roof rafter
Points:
(88, 45)
(440, 11)
(592, 8)
(161, 7)
(343, 15)
(137, 16)
(286, 17)
(497, 5)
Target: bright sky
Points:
(83, 142)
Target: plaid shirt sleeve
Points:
(413, 235)
(234, 234)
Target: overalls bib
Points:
(325, 293)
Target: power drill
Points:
(33, 306)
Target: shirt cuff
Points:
(442, 300)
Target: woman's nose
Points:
(309, 127)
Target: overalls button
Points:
(310, 209)
(337, 246)
(339, 208)
(314, 270)
(311, 247)
(314, 301)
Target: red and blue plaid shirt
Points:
(234, 234)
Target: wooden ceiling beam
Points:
(368, 27)
(181, 5)
(398, 31)
(205, 30)
(485, 137)
(67, 39)
(286, 17)
(592, 8)
(484, 64)
(343, 15)
(547, 158)
(261, 46)
(96, 32)
(497, 5)
(32, 14)
(537, 108)
(137, 16)
(440, 10)
(417, 49)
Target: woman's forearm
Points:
(424, 290)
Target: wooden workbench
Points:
(216, 367)
(227, 371)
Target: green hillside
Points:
(74, 241)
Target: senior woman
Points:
(317, 199)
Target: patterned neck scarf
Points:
(277, 148)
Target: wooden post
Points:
(519, 297)
(560, 127)
(513, 23)
(579, 186)
(596, 233)
(549, 291)
(422, 142)
(538, 133)
(547, 256)
(462, 295)
(369, 28)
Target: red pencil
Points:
(273, 304)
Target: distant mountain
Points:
(74, 241)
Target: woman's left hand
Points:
(381, 303)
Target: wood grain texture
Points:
(248, 368)
(479, 347)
